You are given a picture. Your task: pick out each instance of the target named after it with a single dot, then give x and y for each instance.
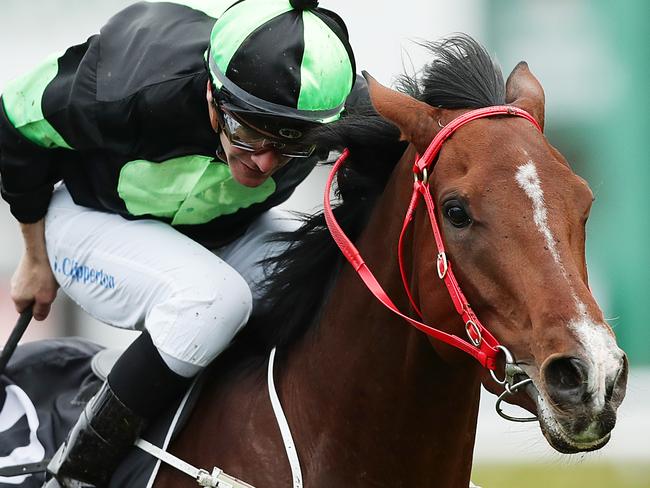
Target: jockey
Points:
(143, 166)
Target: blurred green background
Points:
(596, 54)
(593, 58)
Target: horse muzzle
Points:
(577, 402)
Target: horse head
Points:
(513, 215)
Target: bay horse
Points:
(371, 401)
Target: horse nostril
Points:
(615, 389)
(567, 381)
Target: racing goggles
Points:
(244, 135)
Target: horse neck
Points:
(384, 399)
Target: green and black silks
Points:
(123, 120)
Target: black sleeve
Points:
(27, 172)
(44, 115)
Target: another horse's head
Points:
(513, 217)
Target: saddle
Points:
(102, 363)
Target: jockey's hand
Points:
(33, 281)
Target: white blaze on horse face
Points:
(528, 180)
(599, 346)
(604, 356)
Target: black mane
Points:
(462, 75)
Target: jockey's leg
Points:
(244, 254)
(141, 275)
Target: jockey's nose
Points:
(268, 160)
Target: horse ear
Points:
(524, 91)
(416, 120)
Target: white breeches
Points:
(143, 274)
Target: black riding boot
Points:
(97, 443)
(139, 387)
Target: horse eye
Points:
(456, 214)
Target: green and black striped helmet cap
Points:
(281, 58)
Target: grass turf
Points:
(602, 475)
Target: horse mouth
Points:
(558, 431)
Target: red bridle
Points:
(482, 345)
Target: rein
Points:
(482, 345)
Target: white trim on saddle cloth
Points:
(17, 406)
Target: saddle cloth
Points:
(45, 387)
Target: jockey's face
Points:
(250, 168)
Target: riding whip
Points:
(21, 326)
